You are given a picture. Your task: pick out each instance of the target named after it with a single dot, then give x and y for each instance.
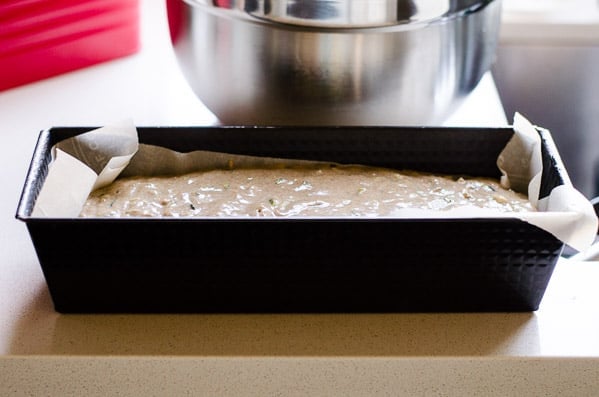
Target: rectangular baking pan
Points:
(235, 265)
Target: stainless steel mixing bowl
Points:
(333, 62)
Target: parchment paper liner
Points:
(94, 159)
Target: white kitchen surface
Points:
(554, 351)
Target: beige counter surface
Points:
(554, 351)
(300, 377)
(566, 325)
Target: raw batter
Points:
(329, 190)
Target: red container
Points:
(40, 39)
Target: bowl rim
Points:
(337, 15)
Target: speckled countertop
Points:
(554, 351)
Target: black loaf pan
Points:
(255, 265)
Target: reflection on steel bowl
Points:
(353, 62)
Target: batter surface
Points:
(328, 190)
